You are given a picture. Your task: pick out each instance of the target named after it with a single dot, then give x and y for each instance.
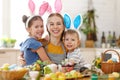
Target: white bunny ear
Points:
(58, 5)
(31, 6)
(77, 21)
(67, 21)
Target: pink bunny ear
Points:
(43, 8)
(58, 5)
(49, 10)
(31, 6)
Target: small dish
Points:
(33, 75)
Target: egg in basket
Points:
(12, 72)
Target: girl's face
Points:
(55, 26)
(71, 41)
(37, 29)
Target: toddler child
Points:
(72, 44)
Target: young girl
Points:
(55, 47)
(72, 43)
(31, 48)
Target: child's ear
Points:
(28, 30)
(79, 43)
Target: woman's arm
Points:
(42, 54)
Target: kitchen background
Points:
(11, 12)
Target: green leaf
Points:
(39, 61)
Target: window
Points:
(18, 9)
(0, 18)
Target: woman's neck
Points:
(55, 41)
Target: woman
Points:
(55, 48)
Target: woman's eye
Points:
(58, 23)
(66, 39)
(51, 24)
(73, 39)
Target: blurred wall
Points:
(108, 12)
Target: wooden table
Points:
(87, 78)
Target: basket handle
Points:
(103, 57)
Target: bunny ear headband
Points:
(77, 22)
(45, 7)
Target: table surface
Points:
(87, 78)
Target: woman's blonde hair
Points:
(59, 15)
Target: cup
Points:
(94, 77)
(33, 75)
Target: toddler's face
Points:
(37, 29)
(71, 41)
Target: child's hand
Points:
(21, 60)
(46, 38)
(67, 68)
(68, 62)
(72, 61)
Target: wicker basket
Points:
(110, 67)
(12, 75)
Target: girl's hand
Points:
(47, 37)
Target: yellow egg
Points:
(111, 77)
(47, 78)
(6, 65)
(58, 73)
(109, 61)
(115, 74)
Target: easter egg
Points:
(109, 61)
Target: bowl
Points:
(33, 74)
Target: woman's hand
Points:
(21, 60)
(45, 40)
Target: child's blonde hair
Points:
(72, 31)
